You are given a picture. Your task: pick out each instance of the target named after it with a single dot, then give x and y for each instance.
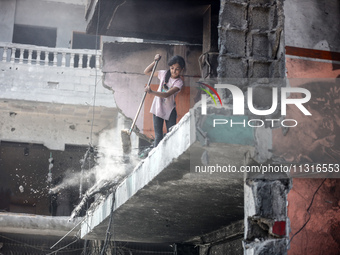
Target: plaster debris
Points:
(110, 167)
(104, 187)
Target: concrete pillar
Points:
(251, 47)
(251, 39)
(265, 219)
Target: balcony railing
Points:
(45, 56)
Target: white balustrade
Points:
(88, 61)
(55, 60)
(38, 56)
(80, 63)
(45, 56)
(72, 60)
(13, 55)
(63, 59)
(30, 51)
(21, 56)
(4, 55)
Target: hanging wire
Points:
(108, 230)
(64, 247)
(90, 149)
(40, 248)
(96, 73)
(114, 14)
(68, 232)
(25, 244)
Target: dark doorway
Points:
(85, 41)
(34, 35)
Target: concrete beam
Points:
(55, 125)
(37, 225)
(227, 240)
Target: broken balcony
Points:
(165, 200)
(40, 81)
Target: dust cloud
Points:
(110, 163)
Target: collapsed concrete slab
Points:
(165, 201)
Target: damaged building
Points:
(260, 92)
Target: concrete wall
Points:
(62, 85)
(65, 17)
(7, 13)
(321, 234)
(312, 24)
(123, 68)
(312, 62)
(312, 38)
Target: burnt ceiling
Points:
(175, 20)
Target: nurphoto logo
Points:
(239, 102)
